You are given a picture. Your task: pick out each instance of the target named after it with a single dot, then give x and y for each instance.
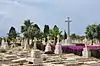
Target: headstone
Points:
(86, 52)
(58, 48)
(43, 41)
(26, 46)
(22, 42)
(35, 40)
(13, 45)
(30, 41)
(35, 56)
(18, 40)
(4, 44)
(48, 47)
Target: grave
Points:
(26, 46)
(48, 47)
(68, 41)
(43, 41)
(86, 52)
(4, 44)
(58, 48)
(35, 59)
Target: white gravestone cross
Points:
(36, 55)
(48, 47)
(43, 41)
(26, 46)
(58, 48)
(35, 40)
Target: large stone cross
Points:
(68, 21)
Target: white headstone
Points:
(86, 52)
(26, 44)
(30, 41)
(22, 42)
(18, 40)
(36, 55)
(43, 42)
(35, 40)
(48, 47)
(58, 48)
(4, 44)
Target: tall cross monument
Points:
(68, 40)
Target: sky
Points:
(51, 12)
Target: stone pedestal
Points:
(86, 52)
(68, 40)
(35, 58)
(58, 48)
(48, 48)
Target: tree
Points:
(92, 32)
(73, 36)
(12, 34)
(36, 32)
(46, 31)
(30, 30)
(98, 33)
(65, 35)
(36, 26)
(55, 31)
(27, 28)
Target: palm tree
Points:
(46, 32)
(26, 29)
(30, 30)
(54, 32)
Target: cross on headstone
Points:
(35, 40)
(26, 46)
(58, 48)
(48, 47)
(58, 38)
(48, 38)
(43, 41)
(68, 21)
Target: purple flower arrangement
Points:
(80, 48)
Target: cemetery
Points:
(30, 50)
